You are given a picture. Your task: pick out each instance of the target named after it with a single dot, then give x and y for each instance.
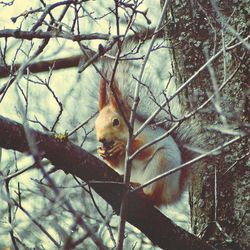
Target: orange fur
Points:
(157, 195)
(144, 154)
(113, 161)
(102, 94)
(124, 104)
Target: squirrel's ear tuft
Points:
(102, 94)
(122, 101)
(116, 92)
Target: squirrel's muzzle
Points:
(106, 144)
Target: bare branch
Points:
(29, 35)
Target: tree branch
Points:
(106, 182)
(43, 66)
(29, 35)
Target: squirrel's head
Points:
(110, 125)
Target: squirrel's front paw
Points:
(117, 149)
(102, 152)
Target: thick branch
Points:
(74, 160)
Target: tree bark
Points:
(194, 30)
(106, 182)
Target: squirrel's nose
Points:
(106, 143)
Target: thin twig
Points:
(82, 124)
(13, 239)
(9, 177)
(38, 224)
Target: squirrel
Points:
(112, 132)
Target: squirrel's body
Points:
(149, 163)
(112, 132)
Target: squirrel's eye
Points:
(115, 122)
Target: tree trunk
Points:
(219, 195)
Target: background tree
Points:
(216, 33)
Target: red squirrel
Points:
(112, 133)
